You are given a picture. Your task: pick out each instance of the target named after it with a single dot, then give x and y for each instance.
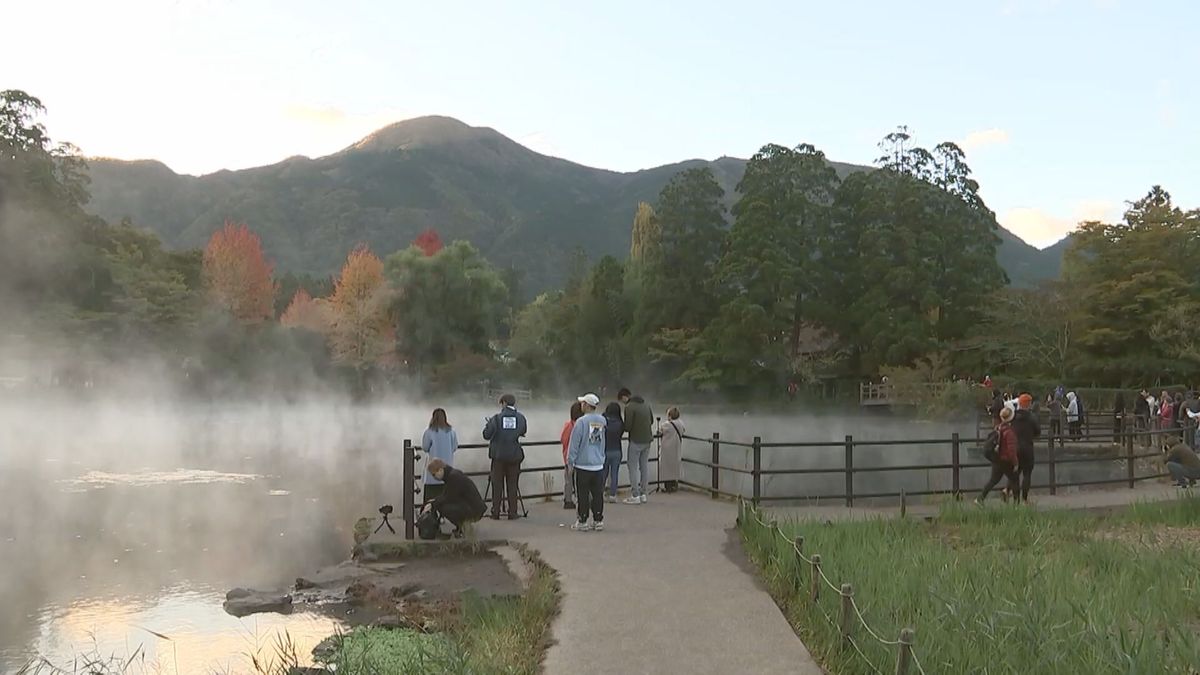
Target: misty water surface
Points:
(131, 516)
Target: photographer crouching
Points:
(459, 501)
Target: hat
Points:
(1024, 400)
(1006, 414)
(590, 399)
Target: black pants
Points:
(589, 494)
(999, 470)
(1141, 423)
(460, 513)
(1025, 468)
(1076, 429)
(1055, 426)
(505, 476)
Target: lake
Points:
(127, 521)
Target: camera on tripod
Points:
(386, 510)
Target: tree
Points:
(237, 274)
(304, 312)
(429, 242)
(361, 334)
(450, 302)
(1044, 347)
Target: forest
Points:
(809, 278)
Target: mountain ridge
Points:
(467, 182)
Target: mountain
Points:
(520, 208)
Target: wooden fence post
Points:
(716, 460)
(757, 471)
(846, 615)
(904, 653)
(814, 582)
(406, 500)
(849, 471)
(955, 447)
(903, 503)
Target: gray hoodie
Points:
(586, 450)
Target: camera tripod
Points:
(385, 510)
(504, 503)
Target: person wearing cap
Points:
(1027, 429)
(1004, 461)
(585, 457)
(503, 432)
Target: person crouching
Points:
(585, 457)
(460, 501)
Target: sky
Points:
(1066, 109)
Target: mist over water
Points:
(136, 514)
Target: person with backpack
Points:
(1000, 449)
(1027, 429)
(565, 437)
(670, 450)
(1182, 463)
(503, 432)
(459, 501)
(439, 442)
(613, 430)
(586, 459)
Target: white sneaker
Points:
(643, 499)
(599, 526)
(580, 526)
(632, 500)
(611, 499)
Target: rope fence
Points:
(850, 619)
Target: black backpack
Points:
(429, 525)
(991, 446)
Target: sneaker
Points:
(632, 500)
(599, 526)
(580, 526)
(643, 499)
(611, 499)
(569, 506)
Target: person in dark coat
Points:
(1141, 417)
(1118, 416)
(614, 429)
(459, 502)
(503, 433)
(1027, 429)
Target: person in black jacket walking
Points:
(459, 501)
(503, 433)
(1027, 429)
(613, 430)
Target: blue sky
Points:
(1066, 108)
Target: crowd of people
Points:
(592, 457)
(1010, 445)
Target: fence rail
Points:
(1126, 439)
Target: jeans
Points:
(1183, 475)
(505, 477)
(589, 494)
(639, 468)
(612, 471)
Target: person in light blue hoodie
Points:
(439, 442)
(585, 456)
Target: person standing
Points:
(1118, 417)
(585, 456)
(1027, 429)
(614, 428)
(503, 433)
(459, 502)
(565, 437)
(1166, 411)
(1003, 455)
(639, 424)
(670, 452)
(1073, 416)
(1141, 417)
(1054, 405)
(439, 442)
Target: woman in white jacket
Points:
(1073, 421)
(670, 450)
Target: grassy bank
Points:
(999, 590)
(502, 635)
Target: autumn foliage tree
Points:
(305, 312)
(237, 274)
(360, 331)
(429, 242)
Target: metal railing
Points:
(1126, 442)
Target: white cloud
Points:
(1041, 228)
(983, 138)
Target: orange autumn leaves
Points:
(360, 327)
(237, 275)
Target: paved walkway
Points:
(664, 589)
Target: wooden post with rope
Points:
(846, 615)
(904, 655)
(814, 583)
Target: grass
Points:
(1000, 590)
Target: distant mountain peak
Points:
(422, 132)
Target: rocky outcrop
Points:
(244, 601)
